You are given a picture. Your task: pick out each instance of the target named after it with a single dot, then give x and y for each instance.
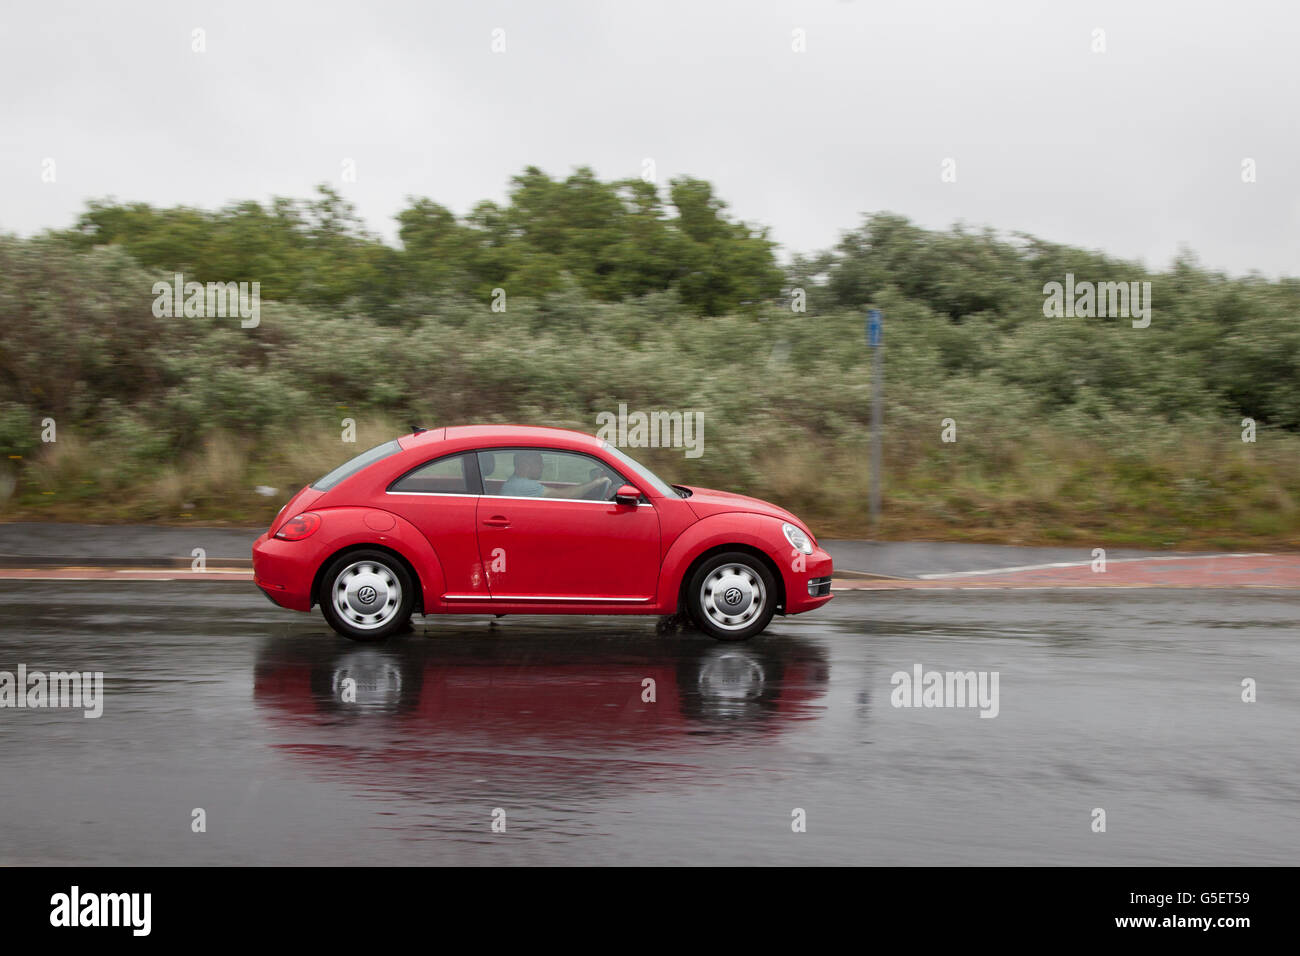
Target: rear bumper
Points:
(284, 572)
(802, 569)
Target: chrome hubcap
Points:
(367, 595)
(732, 596)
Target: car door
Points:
(541, 540)
(440, 498)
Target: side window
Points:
(545, 473)
(446, 476)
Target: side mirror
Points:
(627, 495)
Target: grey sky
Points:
(1137, 150)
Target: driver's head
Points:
(528, 464)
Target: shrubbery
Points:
(1067, 429)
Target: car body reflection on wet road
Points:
(483, 704)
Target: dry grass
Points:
(70, 480)
(1045, 488)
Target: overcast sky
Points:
(1137, 150)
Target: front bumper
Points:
(807, 581)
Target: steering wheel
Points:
(600, 492)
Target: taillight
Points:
(299, 527)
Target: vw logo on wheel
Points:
(366, 595)
(732, 595)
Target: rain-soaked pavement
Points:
(1128, 701)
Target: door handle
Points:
(497, 521)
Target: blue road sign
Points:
(874, 327)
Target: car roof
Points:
(505, 434)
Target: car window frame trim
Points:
(470, 479)
(560, 451)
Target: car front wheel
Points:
(367, 595)
(731, 596)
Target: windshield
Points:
(656, 482)
(350, 468)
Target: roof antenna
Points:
(416, 429)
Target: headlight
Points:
(798, 540)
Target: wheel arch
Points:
(752, 534)
(406, 562)
(759, 553)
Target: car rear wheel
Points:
(367, 595)
(731, 596)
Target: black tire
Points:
(353, 574)
(732, 573)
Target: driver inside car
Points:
(528, 469)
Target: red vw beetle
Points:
(508, 519)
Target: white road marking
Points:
(1084, 564)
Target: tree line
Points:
(612, 240)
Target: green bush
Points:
(1067, 429)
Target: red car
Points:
(507, 519)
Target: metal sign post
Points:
(875, 340)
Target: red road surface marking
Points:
(121, 574)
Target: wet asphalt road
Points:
(214, 699)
